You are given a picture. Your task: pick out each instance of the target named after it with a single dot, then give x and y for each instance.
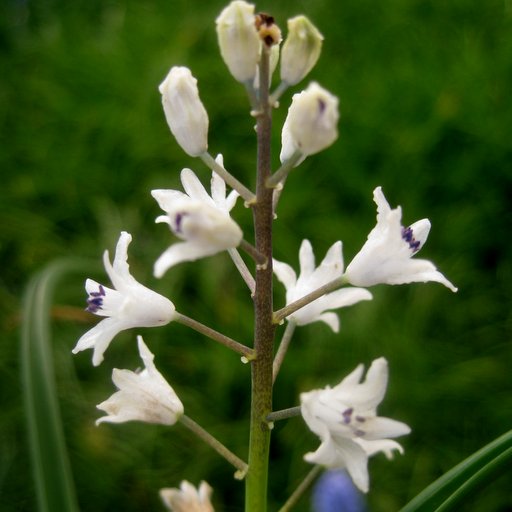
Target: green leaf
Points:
(473, 473)
(51, 468)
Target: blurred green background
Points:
(424, 91)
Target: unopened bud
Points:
(238, 40)
(301, 50)
(312, 120)
(185, 114)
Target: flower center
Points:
(353, 422)
(408, 236)
(95, 300)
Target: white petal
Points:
(167, 197)
(285, 274)
(382, 445)
(99, 338)
(194, 188)
(182, 251)
(380, 427)
(331, 266)
(306, 259)
(331, 319)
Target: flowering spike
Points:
(336, 415)
(301, 50)
(386, 255)
(200, 219)
(127, 306)
(238, 40)
(142, 396)
(185, 114)
(312, 278)
(311, 124)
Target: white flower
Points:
(345, 419)
(239, 40)
(187, 498)
(143, 396)
(203, 221)
(128, 305)
(311, 124)
(301, 50)
(310, 279)
(185, 114)
(386, 255)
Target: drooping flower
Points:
(311, 123)
(200, 219)
(130, 304)
(184, 112)
(187, 498)
(386, 255)
(239, 41)
(310, 279)
(143, 396)
(345, 419)
(301, 50)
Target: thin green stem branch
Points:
(200, 432)
(283, 348)
(301, 489)
(247, 352)
(244, 192)
(280, 175)
(284, 414)
(282, 313)
(280, 89)
(242, 268)
(259, 258)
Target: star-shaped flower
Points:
(128, 305)
(310, 279)
(200, 219)
(143, 396)
(386, 255)
(187, 498)
(345, 419)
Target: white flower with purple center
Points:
(200, 219)
(130, 304)
(142, 396)
(310, 279)
(345, 418)
(386, 255)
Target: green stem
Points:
(280, 89)
(259, 258)
(283, 348)
(284, 414)
(261, 367)
(200, 432)
(280, 175)
(242, 268)
(282, 313)
(244, 192)
(214, 335)
(301, 489)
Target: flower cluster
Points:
(343, 417)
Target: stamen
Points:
(321, 105)
(347, 415)
(359, 433)
(95, 300)
(408, 236)
(360, 419)
(178, 219)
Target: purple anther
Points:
(360, 419)
(359, 433)
(95, 300)
(178, 219)
(321, 105)
(347, 415)
(408, 236)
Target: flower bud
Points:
(185, 114)
(300, 50)
(312, 119)
(238, 40)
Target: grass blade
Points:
(51, 468)
(468, 476)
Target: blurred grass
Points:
(424, 89)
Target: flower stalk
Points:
(200, 432)
(261, 369)
(245, 351)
